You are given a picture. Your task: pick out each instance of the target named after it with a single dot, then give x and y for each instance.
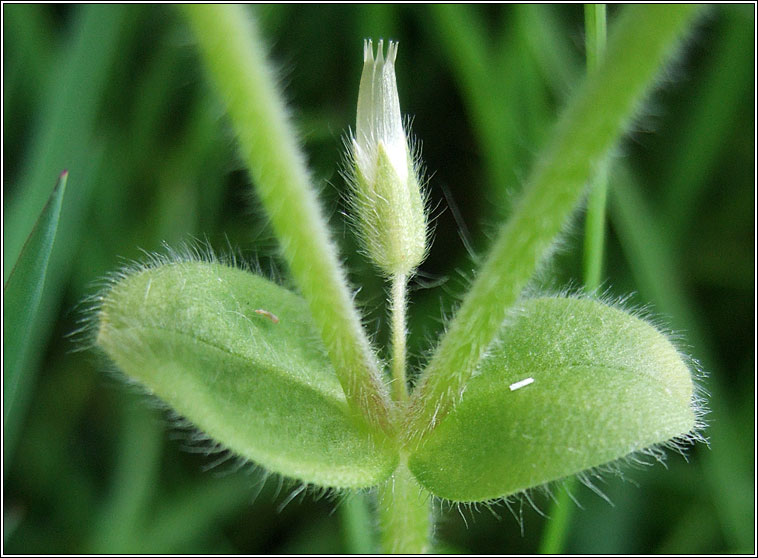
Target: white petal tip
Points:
(392, 52)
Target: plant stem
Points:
(399, 381)
(357, 524)
(594, 234)
(594, 231)
(589, 127)
(557, 527)
(234, 55)
(404, 514)
(595, 35)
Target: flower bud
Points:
(387, 202)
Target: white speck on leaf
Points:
(521, 383)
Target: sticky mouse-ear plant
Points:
(518, 392)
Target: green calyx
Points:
(390, 216)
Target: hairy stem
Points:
(590, 126)
(557, 527)
(399, 380)
(233, 51)
(404, 514)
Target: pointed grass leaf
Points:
(571, 384)
(23, 291)
(240, 357)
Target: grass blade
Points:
(67, 116)
(62, 138)
(21, 297)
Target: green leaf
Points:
(605, 384)
(23, 291)
(240, 357)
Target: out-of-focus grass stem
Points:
(557, 527)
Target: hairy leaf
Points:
(603, 384)
(239, 357)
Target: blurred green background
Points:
(116, 95)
